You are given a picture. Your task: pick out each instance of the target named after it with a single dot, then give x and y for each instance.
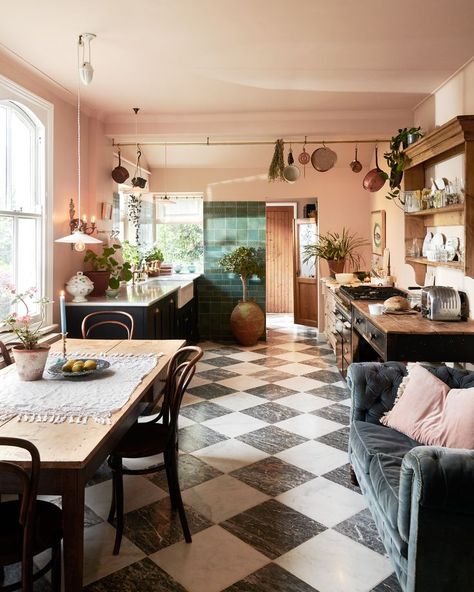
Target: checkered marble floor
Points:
(265, 481)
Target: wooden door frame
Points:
(296, 270)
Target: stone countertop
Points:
(142, 293)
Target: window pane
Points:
(146, 225)
(181, 243)
(3, 157)
(6, 260)
(28, 240)
(22, 166)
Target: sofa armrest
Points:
(373, 387)
(436, 518)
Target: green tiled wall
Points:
(227, 225)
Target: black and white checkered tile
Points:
(264, 476)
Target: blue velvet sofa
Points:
(421, 497)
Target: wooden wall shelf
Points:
(453, 138)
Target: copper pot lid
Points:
(323, 159)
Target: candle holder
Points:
(64, 335)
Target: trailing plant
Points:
(333, 246)
(134, 210)
(244, 262)
(277, 165)
(396, 159)
(107, 262)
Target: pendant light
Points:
(78, 237)
(86, 71)
(164, 199)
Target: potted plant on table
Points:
(337, 249)
(247, 320)
(30, 356)
(107, 271)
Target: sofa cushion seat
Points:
(368, 439)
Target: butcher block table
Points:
(409, 337)
(71, 453)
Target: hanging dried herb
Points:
(275, 172)
(134, 210)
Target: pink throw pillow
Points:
(429, 412)
(421, 402)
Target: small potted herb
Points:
(154, 258)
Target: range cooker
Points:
(343, 313)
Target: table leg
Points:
(73, 531)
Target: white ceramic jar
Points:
(79, 286)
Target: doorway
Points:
(279, 258)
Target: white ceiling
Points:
(182, 60)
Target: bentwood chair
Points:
(112, 318)
(27, 526)
(156, 436)
(5, 354)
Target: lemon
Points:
(90, 365)
(78, 367)
(67, 366)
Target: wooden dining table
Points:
(71, 453)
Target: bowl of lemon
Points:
(77, 367)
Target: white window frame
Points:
(43, 110)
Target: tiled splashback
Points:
(227, 225)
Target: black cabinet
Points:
(187, 322)
(164, 325)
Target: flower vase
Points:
(30, 363)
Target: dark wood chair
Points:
(5, 354)
(156, 436)
(113, 318)
(28, 526)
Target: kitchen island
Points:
(408, 337)
(162, 308)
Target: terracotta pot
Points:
(30, 363)
(336, 266)
(247, 322)
(100, 279)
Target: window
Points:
(22, 165)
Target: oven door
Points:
(343, 342)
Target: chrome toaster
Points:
(440, 303)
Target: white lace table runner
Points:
(56, 399)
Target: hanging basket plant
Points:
(134, 210)
(277, 166)
(396, 159)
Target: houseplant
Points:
(396, 159)
(337, 249)
(247, 320)
(30, 357)
(154, 258)
(107, 271)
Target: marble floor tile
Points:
(246, 368)
(215, 560)
(210, 390)
(138, 492)
(157, 526)
(184, 422)
(191, 472)
(325, 376)
(271, 578)
(314, 457)
(203, 366)
(301, 384)
(303, 402)
(309, 425)
(331, 391)
(234, 424)
(268, 362)
(341, 475)
(321, 363)
(272, 476)
(331, 562)
(238, 401)
(271, 412)
(142, 576)
(196, 437)
(189, 399)
(272, 528)
(271, 374)
(391, 584)
(272, 439)
(199, 381)
(272, 350)
(98, 558)
(297, 346)
(337, 412)
(203, 411)
(271, 391)
(324, 501)
(294, 357)
(216, 374)
(230, 455)
(222, 361)
(247, 356)
(361, 528)
(338, 439)
(222, 497)
(297, 368)
(242, 383)
(224, 350)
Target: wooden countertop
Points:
(412, 323)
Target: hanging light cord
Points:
(79, 130)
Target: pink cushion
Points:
(429, 412)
